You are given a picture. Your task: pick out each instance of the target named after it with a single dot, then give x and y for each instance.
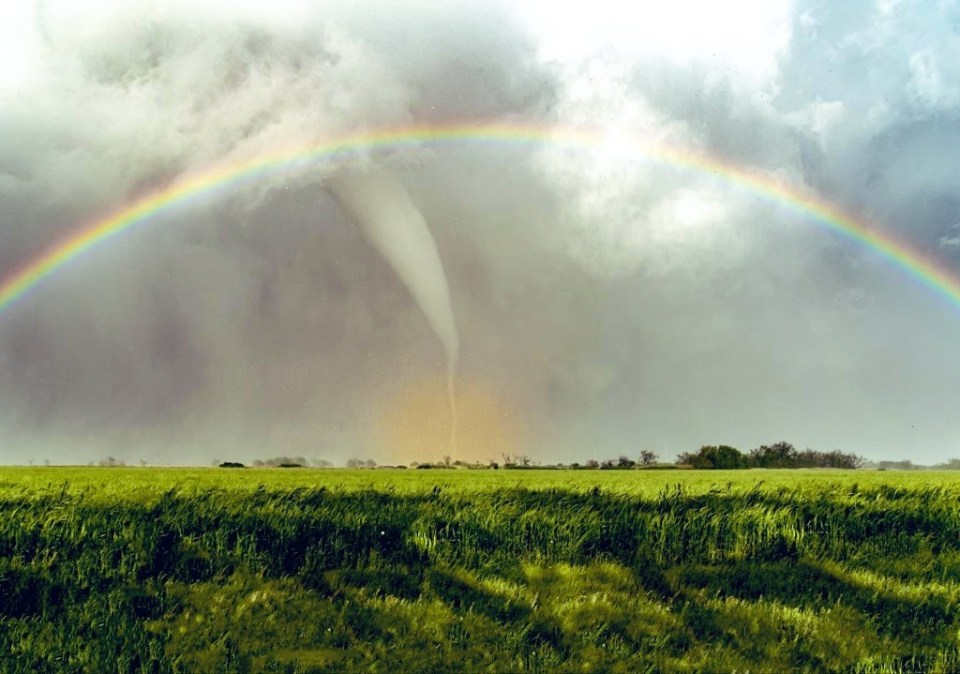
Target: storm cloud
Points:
(606, 303)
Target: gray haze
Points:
(604, 304)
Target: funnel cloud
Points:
(391, 222)
(382, 209)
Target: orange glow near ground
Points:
(415, 425)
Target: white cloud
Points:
(746, 35)
(927, 83)
(18, 45)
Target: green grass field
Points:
(217, 570)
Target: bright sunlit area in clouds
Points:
(17, 44)
(742, 214)
(743, 34)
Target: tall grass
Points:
(178, 576)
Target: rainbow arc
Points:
(926, 271)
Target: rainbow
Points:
(223, 177)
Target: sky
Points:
(606, 299)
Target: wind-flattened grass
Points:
(191, 571)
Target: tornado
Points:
(383, 210)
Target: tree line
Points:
(719, 457)
(777, 455)
(723, 457)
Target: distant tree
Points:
(897, 465)
(720, 457)
(838, 459)
(624, 461)
(446, 459)
(785, 455)
(283, 461)
(355, 463)
(648, 458)
(370, 463)
(777, 455)
(727, 457)
(950, 464)
(593, 463)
